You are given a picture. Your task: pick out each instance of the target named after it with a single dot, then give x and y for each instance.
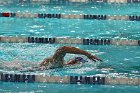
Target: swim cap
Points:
(80, 59)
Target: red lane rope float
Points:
(6, 14)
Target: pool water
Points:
(70, 28)
(62, 88)
(117, 60)
(126, 64)
(90, 8)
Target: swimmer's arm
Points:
(75, 50)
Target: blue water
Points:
(74, 27)
(62, 88)
(114, 64)
(94, 8)
(70, 28)
(117, 60)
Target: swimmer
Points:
(57, 60)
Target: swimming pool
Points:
(25, 21)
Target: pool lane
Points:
(96, 80)
(90, 41)
(72, 16)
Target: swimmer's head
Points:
(80, 59)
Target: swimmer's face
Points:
(73, 61)
(80, 59)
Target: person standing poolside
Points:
(57, 60)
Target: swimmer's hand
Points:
(94, 58)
